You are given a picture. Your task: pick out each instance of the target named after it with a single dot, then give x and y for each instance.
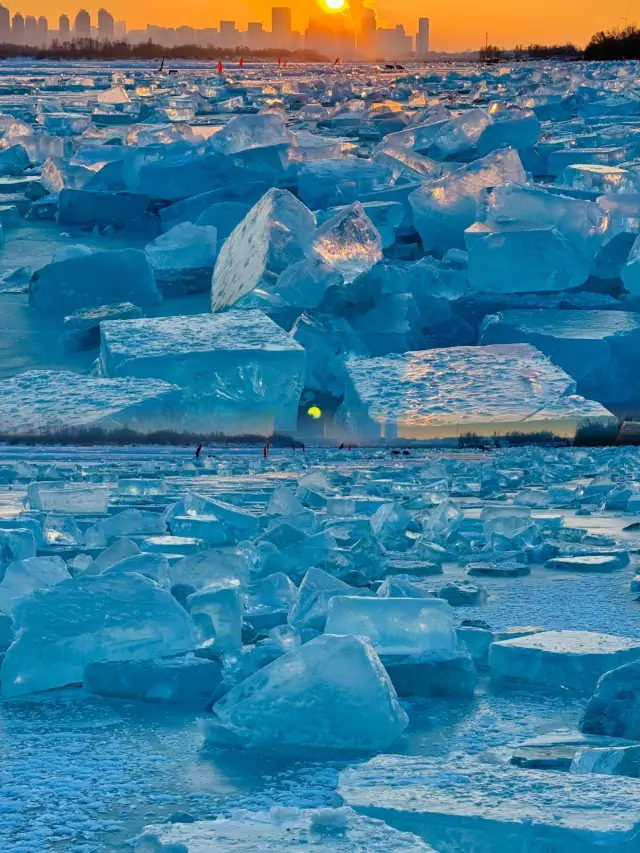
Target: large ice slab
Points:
(102, 278)
(614, 708)
(463, 806)
(439, 392)
(348, 241)
(572, 660)
(242, 372)
(274, 234)
(61, 629)
(331, 693)
(596, 348)
(47, 401)
(23, 576)
(281, 830)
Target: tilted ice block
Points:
(304, 283)
(324, 830)
(100, 207)
(243, 132)
(208, 528)
(240, 523)
(393, 325)
(129, 522)
(444, 208)
(241, 372)
(520, 258)
(273, 235)
(217, 615)
(510, 128)
(557, 161)
(60, 496)
(460, 134)
(119, 275)
(596, 348)
(58, 173)
(152, 566)
(62, 629)
(322, 183)
(186, 681)
(55, 402)
(82, 328)
(630, 273)
(560, 659)
(327, 341)
(614, 708)
(16, 545)
(311, 603)
(406, 163)
(464, 805)
(13, 160)
(224, 216)
(612, 760)
(395, 626)
(603, 179)
(331, 693)
(439, 392)
(23, 576)
(182, 258)
(348, 241)
(216, 568)
(175, 178)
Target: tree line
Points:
(614, 44)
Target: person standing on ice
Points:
(241, 63)
(219, 66)
(198, 451)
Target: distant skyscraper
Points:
(17, 29)
(106, 26)
(330, 35)
(367, 34)
(280, 26)
(256, 36)
(82, 25)
(30, 30)
(5, 25)
(228, 34)
(393, 43)
(43, 31)
(64, 29)
(422, 38)
(120, 29)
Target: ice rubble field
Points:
(216, 254)
(359, 650)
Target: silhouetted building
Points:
(256, 38)
(120, 29)
(229, 35)
(106, 25)
(43, 31)
(367, 34)
(64, 29)
(422, 38)
(393, 43)
(280, 26)
(330, 35)
(30, 30)
(82, 25)
(17, 29)
(5, 25)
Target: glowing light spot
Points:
(314, 412)
(335, 5)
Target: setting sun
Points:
(334, 5)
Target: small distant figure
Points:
(285, 63)
(219, 66)
(198, 450)
(161, 65)
(241, 63)
(279, 62)
(265, 450)
(341, 446)
(350, 447)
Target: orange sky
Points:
(455, 24)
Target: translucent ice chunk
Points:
(331, 693)
(614, 709)
(243, 132)
(62, 629)
(348, 241)
(217, 614)
(184, 257)
(23, 576)
(395, 626)
(310, 605)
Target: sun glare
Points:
(335, 5)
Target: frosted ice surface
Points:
(594, 347)
(395, 626)
(348, 241)
(432, 392)
(129, 522)
(61, 629)
(331, 693)
(462, 804)
(274, 234)
(613, 709)
(122, 275)
(244, 132)
(522, 258)
(560, 659)
(280, 830)
(51, 402)
(81, 330)
(443, 208)
(242, 372)
(22, 577)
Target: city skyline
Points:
(504, 24)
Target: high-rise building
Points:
(331, 36)
(367, 34)
(120, 29)
(422, 38)
(82, 25)
(5, 25)
(106, 25)
(17, 29)
(43, 31)
(256, 37)
(280, 26)
(30, 30)
(64, 29)
(228, 34)
(393, 43)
